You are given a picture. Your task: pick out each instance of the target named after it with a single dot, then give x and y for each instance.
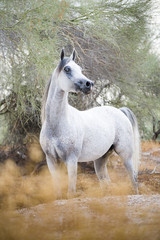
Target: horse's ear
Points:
(73, 55)
(62, 54)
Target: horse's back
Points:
(107, 115)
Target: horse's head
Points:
(70, 77)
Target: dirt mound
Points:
(111, 217)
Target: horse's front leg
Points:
(72, 175)
(54, 170)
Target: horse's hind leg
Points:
(100, 166)
(126, 155)
(129, 166)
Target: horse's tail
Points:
(137, 147)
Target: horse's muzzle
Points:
(84, 86)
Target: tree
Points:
(111, 39)
(28, 43)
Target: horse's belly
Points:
(87, 156)
(95, 147)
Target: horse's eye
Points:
(67, 69)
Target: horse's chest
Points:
(59, 145)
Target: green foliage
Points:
(30, 37)
(111, 38)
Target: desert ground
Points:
(29, 209)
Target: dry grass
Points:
(89, 216)
(149, 145)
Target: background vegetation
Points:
(114, 46)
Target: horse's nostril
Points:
(88, 84)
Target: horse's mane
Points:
(60, 66)
(44, 99)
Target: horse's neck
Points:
(56, 104)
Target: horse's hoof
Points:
(71, 195)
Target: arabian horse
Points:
(71, 136)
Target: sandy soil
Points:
(111, 217)
(30, 211)
(139, 209)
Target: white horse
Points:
(73, 136)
